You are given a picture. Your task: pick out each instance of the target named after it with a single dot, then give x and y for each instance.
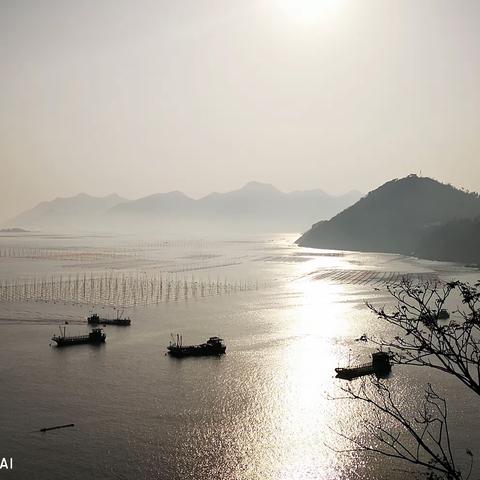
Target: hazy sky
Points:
(144, 96)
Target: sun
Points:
(309, 11)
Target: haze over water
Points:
(289, 316)
(309, 104)
(140, 97)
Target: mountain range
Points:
(405, 216)
(412, 215)
(256, 207)
(68, 212)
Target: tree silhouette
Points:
(424, 340)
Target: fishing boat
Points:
(213, 346)
(95, 337)
(380, 365)
(95, 319)
(431, 316)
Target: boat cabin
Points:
(97, 335)
(381, 361)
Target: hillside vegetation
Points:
(455, 241)
(398, 217)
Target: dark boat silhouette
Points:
(95, 337)
(213, 346)
(431, 316)
(379, 366)
(443, 314)
(95, 319)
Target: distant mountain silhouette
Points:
(256, 207)
(455, 241)
(394, 217)
(66, 213)
(155, 204)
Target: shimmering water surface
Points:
(264, 411)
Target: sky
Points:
(145, 96)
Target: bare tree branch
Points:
(424, 339)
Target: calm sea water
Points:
(263, 411)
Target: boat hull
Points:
(355, 372)
(196, 351)
(65, 342)
(121, 322)
(95, 337)
(351, 373)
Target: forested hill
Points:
(395, 217)
(455, 241)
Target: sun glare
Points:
(309, 11)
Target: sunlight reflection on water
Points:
(262, 412)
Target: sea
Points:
(270, 409)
